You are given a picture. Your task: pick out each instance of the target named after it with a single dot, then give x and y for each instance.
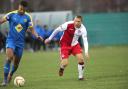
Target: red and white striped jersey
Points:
(71, 34)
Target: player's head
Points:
(77, 21)
(22, 7)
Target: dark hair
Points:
(24, 3)
(78, 16)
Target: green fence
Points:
(104, 28)
(107, 28)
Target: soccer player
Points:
(69, 44)
(19, 21)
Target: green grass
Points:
(107, 69)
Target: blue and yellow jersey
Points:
(18, 24)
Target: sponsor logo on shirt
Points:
(19, 27)
(25, 20)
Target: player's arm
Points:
(58, 29)
(5, 18)
(85, 42)
(2, 20)
(31, 28)
(35, 34)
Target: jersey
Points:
(71, 34)
(18, 24)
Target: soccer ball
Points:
(19, 81)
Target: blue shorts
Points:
(18, 51)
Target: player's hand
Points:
(87, 56)
(40, 38)
(47, 41)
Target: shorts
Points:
(18, 51)
(65, 51)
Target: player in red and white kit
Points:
(69, 43)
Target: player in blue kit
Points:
(19, 21)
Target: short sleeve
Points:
(30, 22)
(8, 16)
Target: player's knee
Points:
(9, 54)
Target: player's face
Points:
(21, 9)
(77, 22)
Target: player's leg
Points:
(9, 54)
(77, 51)
(64, 54)
(15, 65)
(16, 61)
(80, 66)
(63, 64)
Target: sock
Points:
(14, 68)
(62, 67)
(61, 70)
(6, 69)
(81, 69)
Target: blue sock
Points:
(14, 68)
(6, 70)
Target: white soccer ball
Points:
(19, 81)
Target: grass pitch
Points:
(106, 69)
